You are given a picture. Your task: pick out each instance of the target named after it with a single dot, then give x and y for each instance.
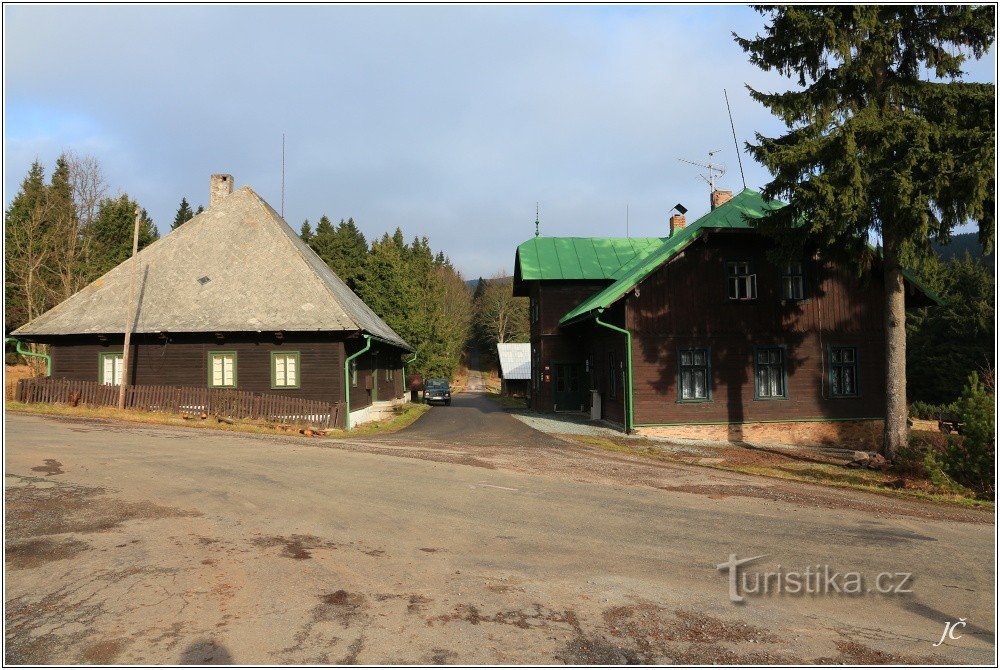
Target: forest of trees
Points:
(947, 343)
(415, 290)
(63, 233)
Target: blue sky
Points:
(449, 122)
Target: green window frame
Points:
(844, 382)
(770, 373)
(280, 376)
(212, 355)
(694, 365)
(101, 358)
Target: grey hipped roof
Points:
(260, 277)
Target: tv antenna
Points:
(282, 175)
(715, 170)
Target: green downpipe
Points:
(629, 418)
(347, 380)
(406, 389)
(48, 359)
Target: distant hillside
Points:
(471, 283)
(959, 245)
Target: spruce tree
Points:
(200, 209)
(306, 232)
(184, 214)
(109, 236)
(348, 252)
(874, 147)
(27, 250)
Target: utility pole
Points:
(130, 319)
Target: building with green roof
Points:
(699, 334)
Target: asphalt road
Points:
(130, 544)
(473, 419)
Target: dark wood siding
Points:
(685, 304)
(181, 359)
(553, 345)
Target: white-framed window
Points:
(222, 369)
(110, 368)
(742, 280)
(284, 369)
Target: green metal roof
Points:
(545, 258)
(733, 215)
(730, 215)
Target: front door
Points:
(567, 388)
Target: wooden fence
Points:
(230, 403)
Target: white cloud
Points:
(449, 122)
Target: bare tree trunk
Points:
(896, 433)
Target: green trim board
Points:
(735, 214)
(821, 419)
(211, 385)
(274, 369)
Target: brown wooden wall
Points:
(554, 300)
(684, 304)
(181, 359)
(372, 384)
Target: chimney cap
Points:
(681, 209)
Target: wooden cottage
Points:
(231, 299)
(698, 335)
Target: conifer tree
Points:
(348, 252)
(306, 232)
(110, 234)
(873, 146)
(200, 209)
(184, 214)
(27, 250)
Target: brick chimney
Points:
(221, 186)
(677, 223)
(720, 198)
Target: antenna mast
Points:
(536, 219)
(715, 170)
(733, 126)
(282, 175)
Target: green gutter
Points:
(405, 363)
(48, 359)
(629, 418)
(347, 380)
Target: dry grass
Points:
(794, 466)
(409, 413)
(514, 403)
(15, 373)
